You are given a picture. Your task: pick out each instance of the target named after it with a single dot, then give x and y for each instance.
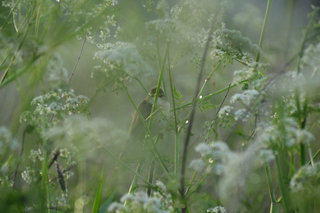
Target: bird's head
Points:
(162, 102)
(153, 91)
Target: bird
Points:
(137, 128)
(137, 131)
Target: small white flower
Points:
(197, 164)
(204, 149)
(28, 175)
(161, 186)
(243, 74)
(115, 206)
(306, 178)
(240, 114)
(217, 209)
(225, 111)
(304, 136)
(219, 145)
(36, 155)
(127, 197)
(141, 197)
(266, 155)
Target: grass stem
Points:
(188, 134)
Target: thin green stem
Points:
(159, 83)
(310, 155)
(313, 16)
(138, 111)
(153, 148)
(125, 166)
(142, 86)
(45, 181)
(78, 60)
(302, 46)
(314, 156)
(191, 119)
(197, 184)
(158, 157)
(274, 205)
(208, 77)
(283, 187)
(266, 17)
(176, 138)
(191, 181)
(134, 180)
(212, 94)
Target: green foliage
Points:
(97, 199)
(251, 146)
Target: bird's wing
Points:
(136, 125)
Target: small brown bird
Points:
(137, 129)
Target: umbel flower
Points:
(159, 201)
(213, 157)
(306, 179)
(52, 107)
(84, 136)
(121, 63)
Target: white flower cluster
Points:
(243, 74)
(108, 28)
(287, 131)
(228, 44)
(217, 209)
(265, 155)
(213, 157)
(159, 202)
(311, 58)
(285, 87)
(163, 26)
(62, 199)
(245, 98)
(111, 2)
(122, 62)
(306, 178)
(226, 115)
(122, 55)
(79, 135)
(9, 3)
(56, 74)
(184, 24)
(36, 155)
(225, 111)
(52, 107)
(28, 175)
(68, 157)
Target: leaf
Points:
(177, 94)
(106, 204)
(97, 200)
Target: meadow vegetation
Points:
(241, 134)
